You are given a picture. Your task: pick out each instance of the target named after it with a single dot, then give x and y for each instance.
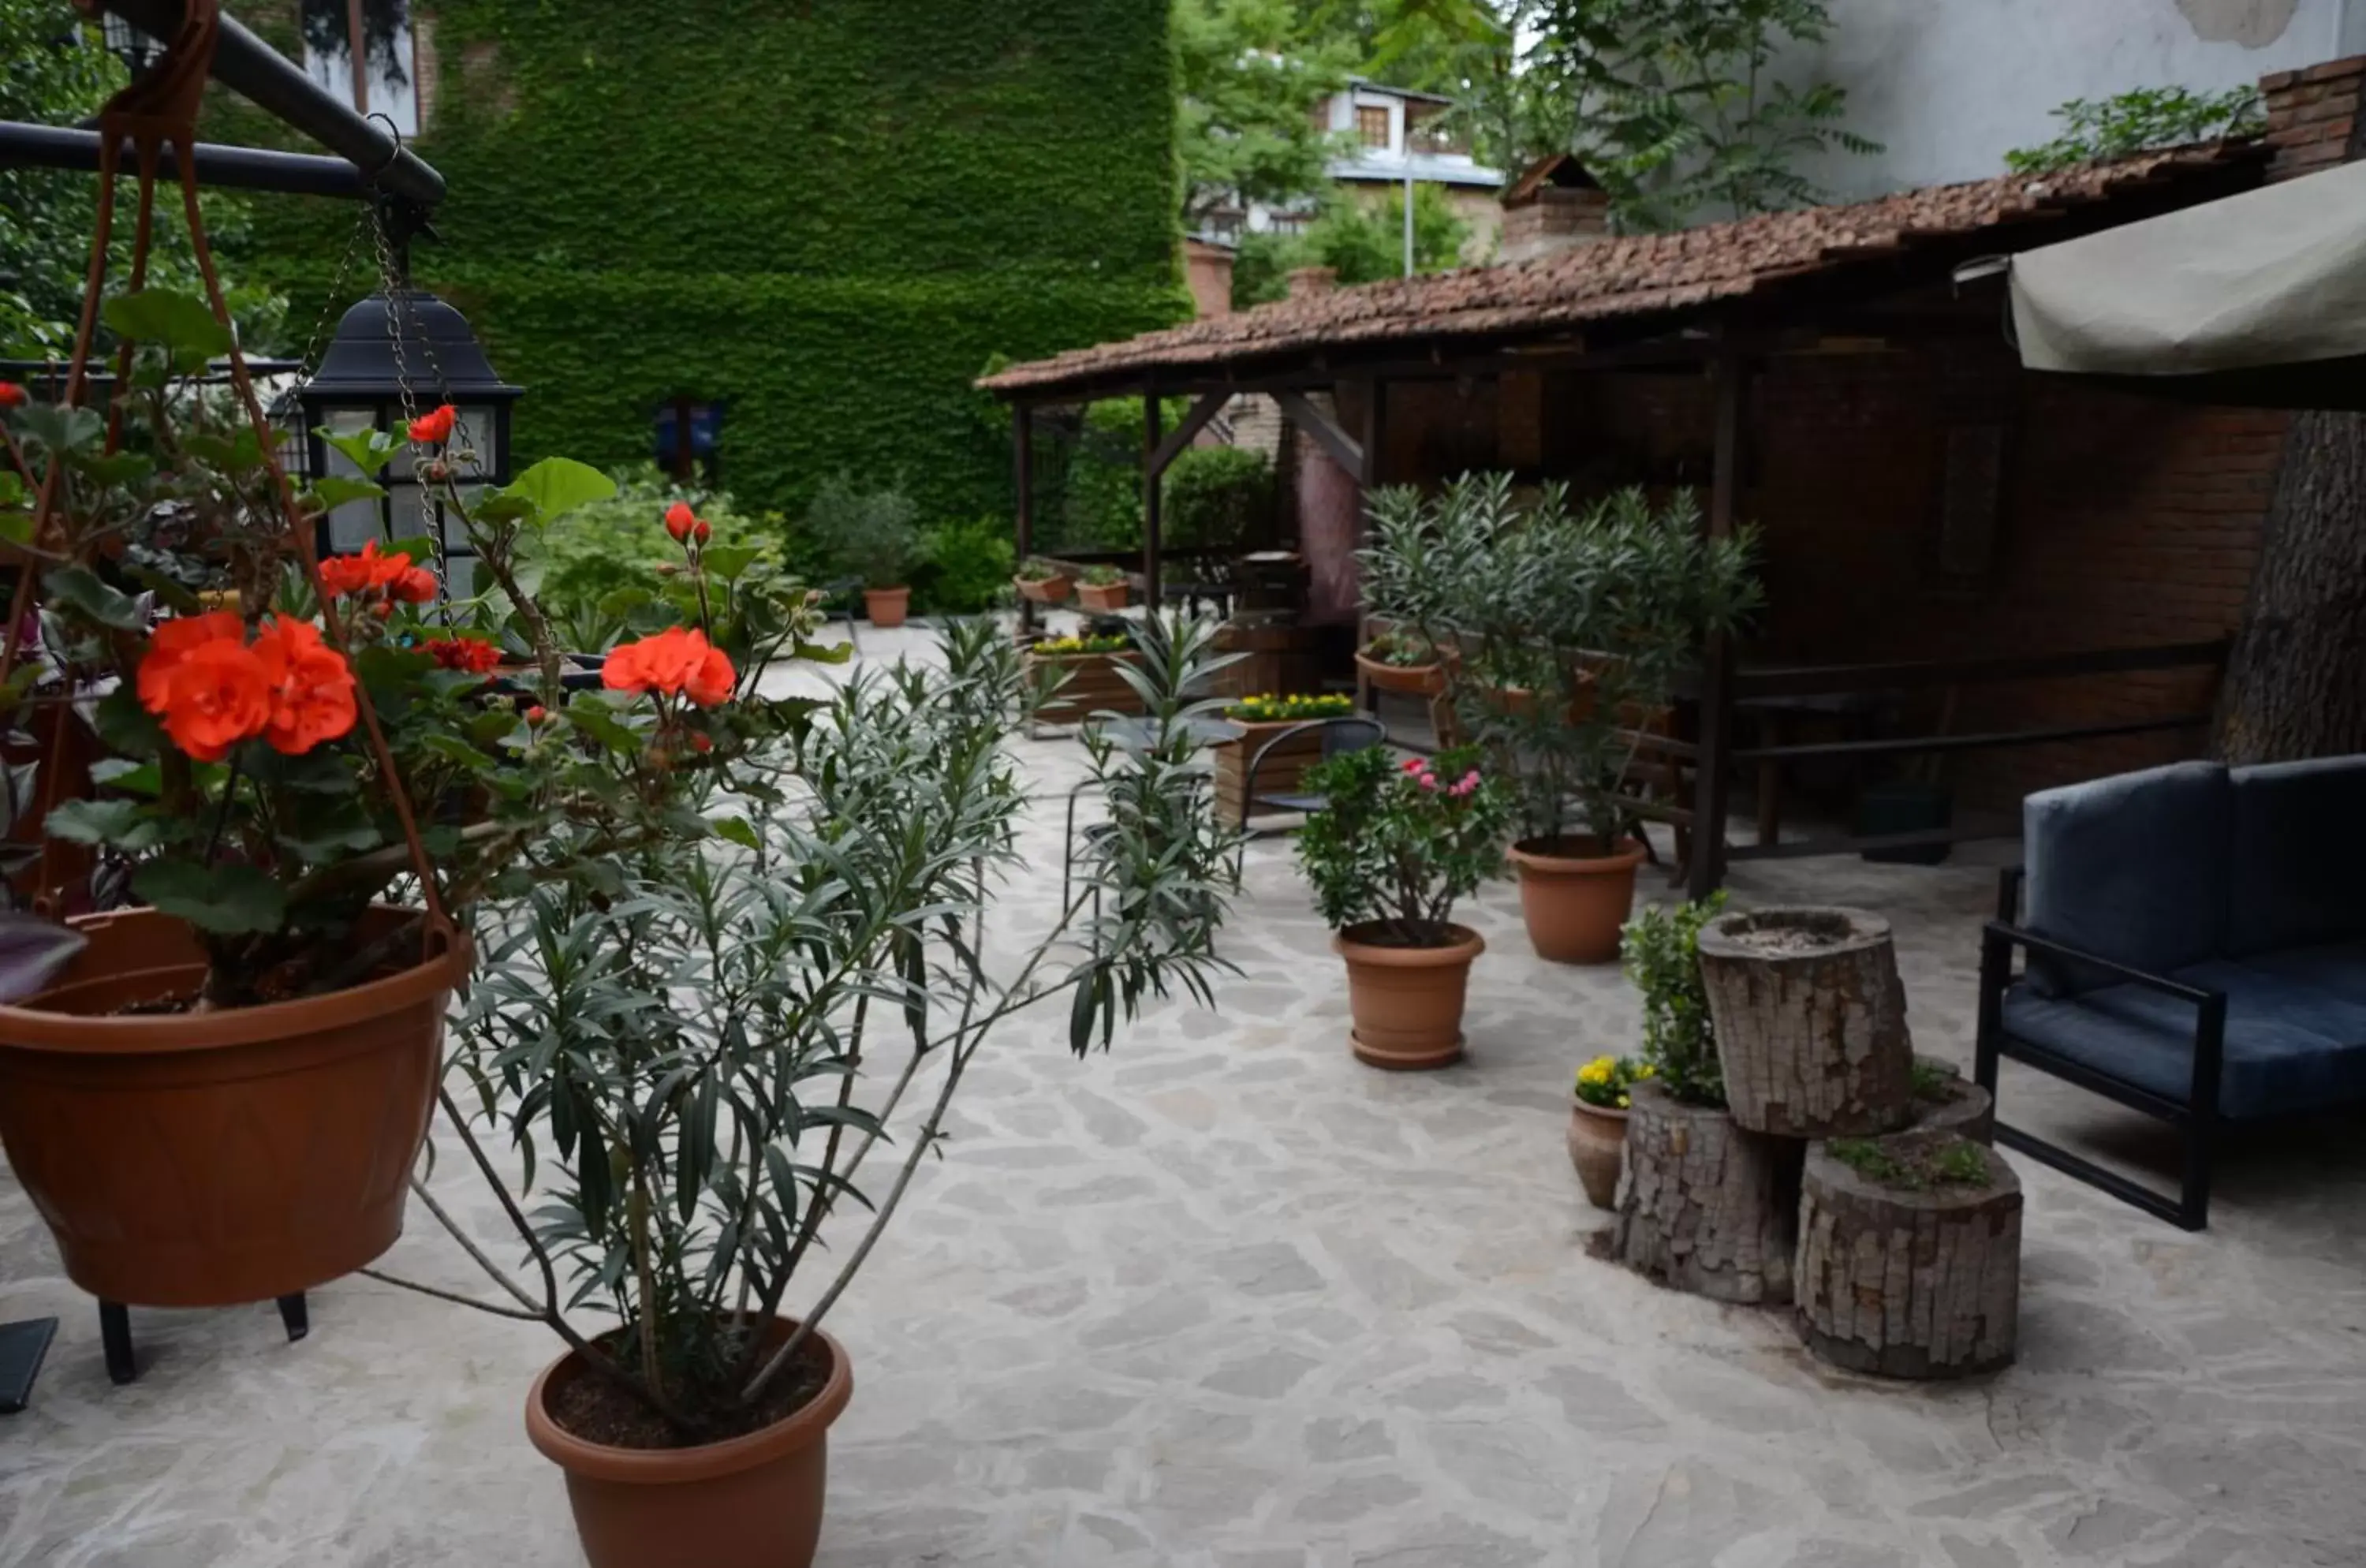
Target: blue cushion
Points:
(2280, 1057)
(2336, 966)
(2298, 873)
(2132, 867)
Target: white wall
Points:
(1949, 85)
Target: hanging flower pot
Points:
(1103, 591)
(753, 1501)
(191, 1160)
(1043, 582)
(1575, 894)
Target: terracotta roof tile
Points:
(1622, 277)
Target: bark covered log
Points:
(1705, 1206)
(1946, 1102)
(2291, 689)
(1810, 1022)
(1921, 1281)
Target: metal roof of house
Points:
(1636, 275)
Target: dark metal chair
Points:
(843, 597)
(1340, 736)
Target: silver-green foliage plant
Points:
(1662, 952)
(1575, 625)
(2135, 121)
(698, 1057)
(870, 534)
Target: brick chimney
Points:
(1305, 282)
(1207, 269)
(2313, 115)
(1554, 206)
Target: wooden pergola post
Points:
(1022, 480)
(1712, 764)
(1153, 471)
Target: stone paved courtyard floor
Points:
(1221, 1296)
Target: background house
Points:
(1396, 134)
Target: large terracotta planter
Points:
(749, 1502)
(1597, 1147)
(1103, 598)
(1043, 590)
(1412, 679)
(206, 1159)
(1574, 902)
(1407, 1001)
(885, 607)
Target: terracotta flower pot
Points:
(1103, 597)
(1407, 1001)
(208, 1159)
(1519, 702)
(748, 1502)
(1575, 899)
(884, 607)
(1597, 1147)
(1414, 680)
(1045, 590)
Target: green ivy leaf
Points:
(181, 323)
(226, 899)
(556, 485)
(78, 588)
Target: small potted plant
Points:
(875, 537)
(1102, 588)
(1597, 1123)
(1392, 849)
(1283, 735)
(1043, 582)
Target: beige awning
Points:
(2272, 277)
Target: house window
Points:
(1372, 125)
(362, 50)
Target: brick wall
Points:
(2312, 114)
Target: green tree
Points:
(1363, 242)
(2141, 119)
(1674, 109)
(1428, 45)
(1250, 77)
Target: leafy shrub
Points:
(2133, 122)
(873, 535)
(966, 566)
(1217, 496)
(1362, 241)
(1395, 845)
(593, 552)
(1101, 576)
(1662, 956)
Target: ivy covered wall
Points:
(827, 213)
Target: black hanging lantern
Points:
(406, 340)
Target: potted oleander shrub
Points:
(1043, 582)
(1102, 588)
(874, 536)
(1597, 1123)
(1573, 627)
(701, 1050)
(1395, 848)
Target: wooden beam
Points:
(1152, 414)
(1022, 480)
(1712, 777)
(1301, 412)
(1210, 405)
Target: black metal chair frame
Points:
(1251, 799)
(846, 594)
(2196, 1117)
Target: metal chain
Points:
(389, 279)
(310, 362)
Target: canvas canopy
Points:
(2257, 297)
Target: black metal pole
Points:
(1706, 873)
(1022, 477)
(240, 168)
(267, 79)
(1152, 484)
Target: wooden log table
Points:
(1810, 1020)
(1705, 1205)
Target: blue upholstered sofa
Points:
(2195, 943)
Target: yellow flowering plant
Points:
(1608, 1081)
(1068, 647)
(1270, 707)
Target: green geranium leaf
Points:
(16, 527)
(122, 773)
(500, 507)
(595, 718)
(556, 485)
(227, 899)
(115, 468)
(126, 726)
(169, 593)
(78, 588)
(727, 562)
(365, 449)
(57, 428)
(181, 323)
(322, 772)
(456, 750)
(127, 825)
(337, 490)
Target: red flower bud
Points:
(416, 586)
(381, 609)
(536, 714)
(679, 520)
(435, 473)
(435, 427)
(700, 743)
(702, 532)
(12, 396)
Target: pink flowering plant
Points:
(1397, 843)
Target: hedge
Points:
(830, 217)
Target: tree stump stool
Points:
(1810, 1022)
(1946, 1102)
(1705, 1206)
(1909, 1255)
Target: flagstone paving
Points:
(1222, 1298)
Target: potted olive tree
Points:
(1392, 849)
(1573, 627)
(874, 536)
(726, 1051)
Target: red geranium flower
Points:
(372, 571)
(173, 642)
(679, 520)
(474, 654)
(217, 694)
(12, 396)
(435, 427)
(677, 661)
(412, 585)
(312, 689)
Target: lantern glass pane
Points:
(479, 431)
(356, 523)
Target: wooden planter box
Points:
(1284, 767)
(1103, 598)
(1093, 685)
